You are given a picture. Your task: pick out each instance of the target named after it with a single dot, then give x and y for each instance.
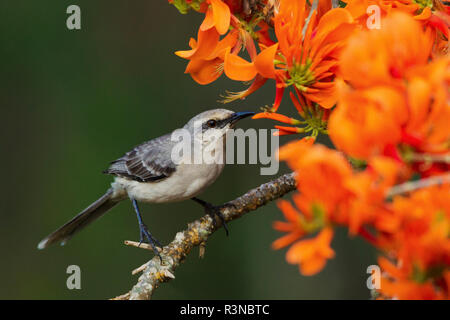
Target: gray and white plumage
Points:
(148, 174)
(147, 162)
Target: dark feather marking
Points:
(148, 162)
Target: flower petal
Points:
(206, 43)
(285, 240)
(275, 116)
(323, 7)
(222, 15)
(204, 71)
(237, 68)
(264, 61)
(208, 22)
(228, 42)
(329, 22)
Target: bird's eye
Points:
(211, 123)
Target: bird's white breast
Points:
(189, 180)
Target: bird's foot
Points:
(146, 236)
(214, 212)
(145, 233)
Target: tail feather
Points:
(85, 217)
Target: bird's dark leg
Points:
(213, 212)
(144, 232)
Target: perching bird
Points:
(149, 172)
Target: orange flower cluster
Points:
(413, 229)
(404, 93)
(381, 95)
(431, 13)
(392, 119)
(307, 61)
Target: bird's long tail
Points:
(85, 217)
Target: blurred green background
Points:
(72, 101)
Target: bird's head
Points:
(214, 123)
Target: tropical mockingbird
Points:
(149, 173)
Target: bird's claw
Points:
(213, 212)
(146, 235)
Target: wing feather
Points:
(148, 162)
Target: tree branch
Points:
(418, 184)
(156, 272)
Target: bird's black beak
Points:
(235, 117)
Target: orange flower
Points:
(208, 52)
(391, 91)
(282, 130)
(277, 117)
(384, 56)
(206, 69)
(330, 191)
(292, 226)
(323, 6)
(368, 191)
(432, 14)
(367, 121)
(429, 108)
(290, 151)
(390, 124)
(237, 68)
(321, 173)
(425, 216)
(307, 62)
(358, 8)
(419, 243)
(311, 254)
(409, 290)
(218, 16)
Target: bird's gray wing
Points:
(148, 162)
